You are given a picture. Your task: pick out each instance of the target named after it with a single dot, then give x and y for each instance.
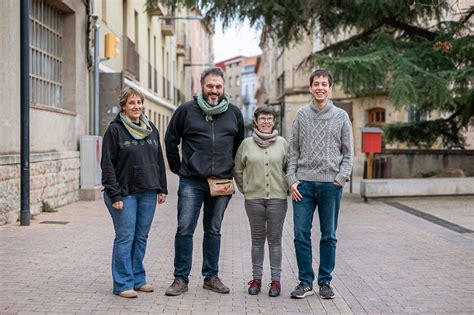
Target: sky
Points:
(238, 39)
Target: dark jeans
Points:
(327, 198)
(192, 193)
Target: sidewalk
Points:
(388, 261)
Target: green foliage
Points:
(46, 207)
(402, 48)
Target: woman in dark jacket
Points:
(134, 178)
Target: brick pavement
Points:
(388, 261)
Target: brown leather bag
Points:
(221, 186)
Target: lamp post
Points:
(25, 113)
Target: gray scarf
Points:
(264, 140)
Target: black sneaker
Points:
(302, 291)
(325, 290)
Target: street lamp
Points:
(197, 65)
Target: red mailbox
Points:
(371, 140)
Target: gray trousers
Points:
(266, 218)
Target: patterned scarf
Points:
(209, 109)
(264, 140)
(137, 132)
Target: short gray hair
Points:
(214, 71)
(128, 91)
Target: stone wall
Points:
(411, 163)
(54, 178)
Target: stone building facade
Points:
(154, 56)
(59, 103)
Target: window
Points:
(46, 54)
(230, 81)
(150, 72)
(376, 116)
(155, 87)
(417, 115)
(136, 30)
(158, 125)
(237, 80)
(104, 11)
(163, 127)
(281, 84)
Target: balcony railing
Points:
(167, 27)
(180, 50)
(132, 59)
(157, 9)
(150, 76)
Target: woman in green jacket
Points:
(260, 166)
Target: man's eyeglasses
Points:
(265, 119)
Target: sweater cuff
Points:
(291, 179)
(341, 179)
(116, 198)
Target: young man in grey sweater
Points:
(320, 154)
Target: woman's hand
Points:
(161, 198)
(295, 194)
(118, 205)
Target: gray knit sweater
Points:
(321, 145)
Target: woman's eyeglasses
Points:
(265, 119)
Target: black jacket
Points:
(208, 147)
(131, 166)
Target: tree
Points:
(419, 52)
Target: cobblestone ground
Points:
(388, 261)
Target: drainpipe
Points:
(25, 113)
(96, 26)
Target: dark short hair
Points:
(264, 110)
(128, 91)
(214, 71)
(320, 73)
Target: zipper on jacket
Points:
(213, 140)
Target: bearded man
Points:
(210, 130)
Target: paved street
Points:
(389, 261)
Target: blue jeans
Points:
(192, 193)
(131, 224)
(327, 198)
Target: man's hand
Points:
(295, 194)
(118, 205)
(161, 198)
(336, 183)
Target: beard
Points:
(210, 101)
